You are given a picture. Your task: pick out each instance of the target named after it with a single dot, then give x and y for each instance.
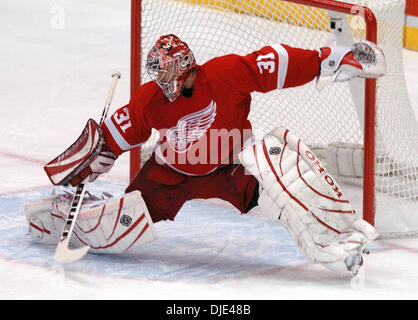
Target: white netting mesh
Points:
(214, 28)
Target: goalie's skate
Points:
(351, 249)
(352, 263)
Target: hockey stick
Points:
(62, 253)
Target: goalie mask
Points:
(168, 64)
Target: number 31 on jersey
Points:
(266, 62)
(122, 119)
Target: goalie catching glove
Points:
(297, 190)
(339, 63)
(84, 160)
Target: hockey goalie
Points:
(196, 108)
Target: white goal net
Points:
(332, 116)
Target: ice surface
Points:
(56, 60)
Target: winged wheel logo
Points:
(191, 128)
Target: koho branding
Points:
(321, 170)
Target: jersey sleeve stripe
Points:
(283, 64)
(117, 137)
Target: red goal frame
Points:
(370, 90)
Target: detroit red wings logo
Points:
(191, 128)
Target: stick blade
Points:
(65, 255)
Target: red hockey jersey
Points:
(205, 131)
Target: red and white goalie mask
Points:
(168, 64)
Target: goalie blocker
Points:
(86, 159)
(298, 191)
(111, 225)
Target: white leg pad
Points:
(111, 226)
(306, 199)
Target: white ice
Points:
(56, 58)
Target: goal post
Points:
(135, 75)
(355, 113)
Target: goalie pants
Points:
(165, 190)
